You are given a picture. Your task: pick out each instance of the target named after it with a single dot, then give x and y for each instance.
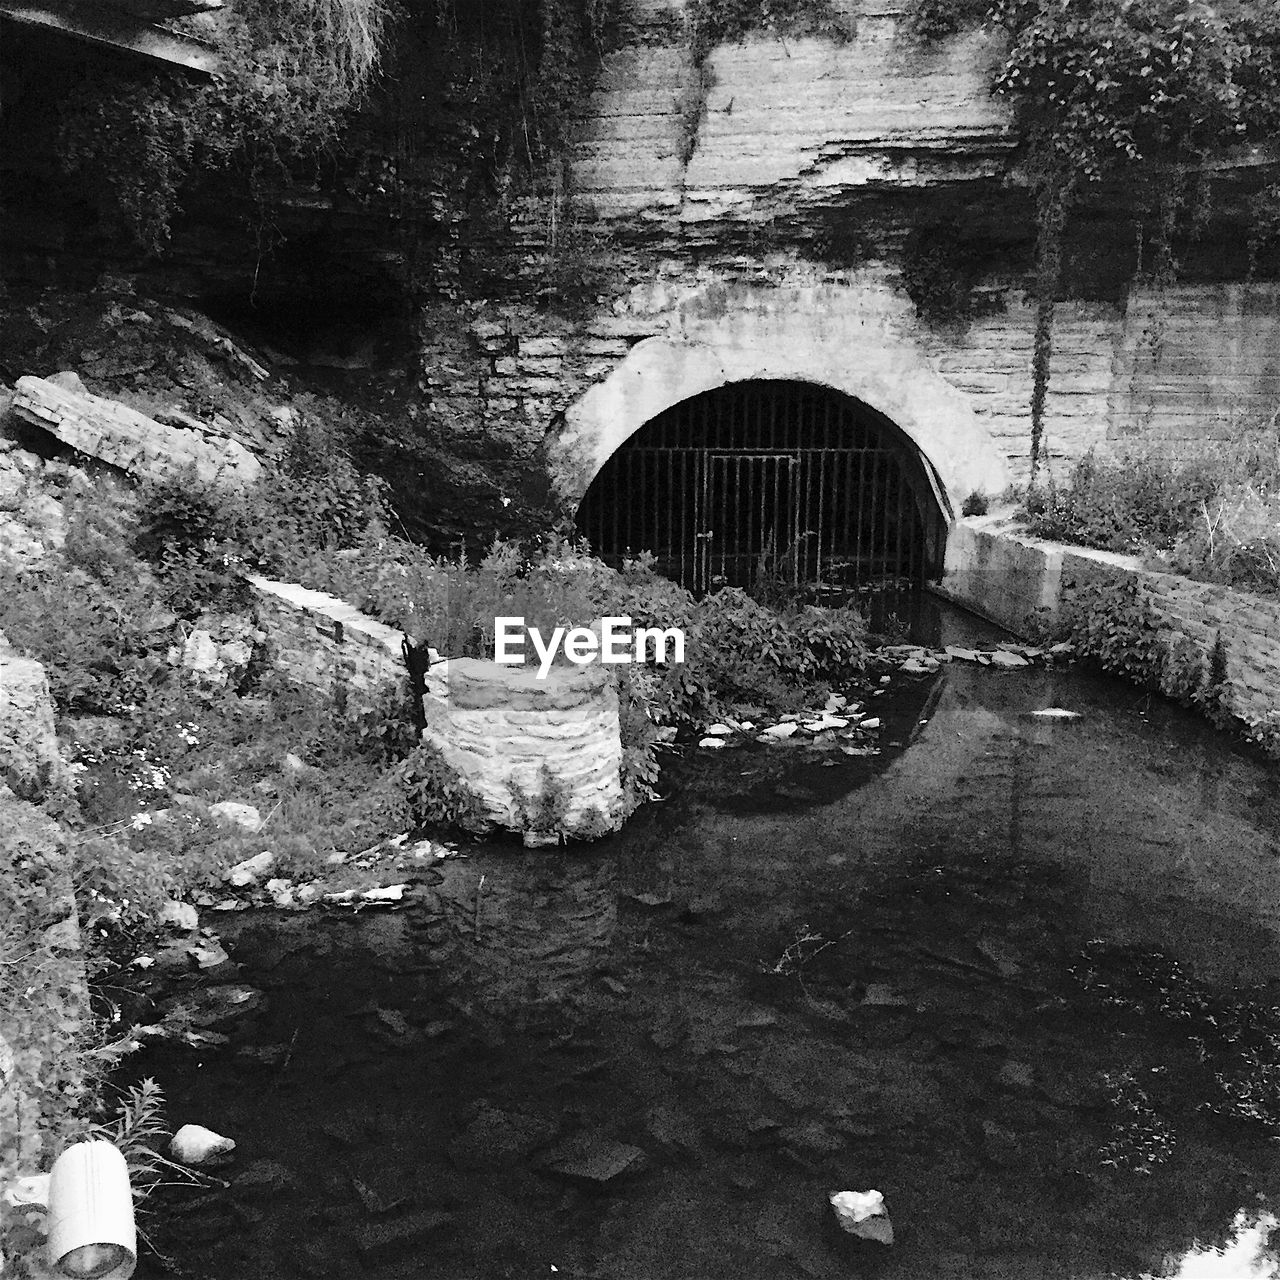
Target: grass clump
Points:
(1213, 515)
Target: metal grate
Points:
(806, 483)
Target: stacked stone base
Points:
(544, 755)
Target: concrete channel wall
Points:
(1025, 584)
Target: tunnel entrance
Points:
(786, 478)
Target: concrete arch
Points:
(891, 377)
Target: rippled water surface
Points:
(1018, 975)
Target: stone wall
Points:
(510, 735)
(320, 642)
(1024, 583)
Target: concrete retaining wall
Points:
(320, 642)
(1025, 583)
(510, 735)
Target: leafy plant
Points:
(435, 793)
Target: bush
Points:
(1215, 516)
(1133, 504)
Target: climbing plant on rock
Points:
(1104, 85)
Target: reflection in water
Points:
(1247, 1255)
(1013, 976)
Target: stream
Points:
(1017, 974)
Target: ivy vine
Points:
(1102, 87)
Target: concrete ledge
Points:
(1023, 583)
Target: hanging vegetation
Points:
(1103, 86)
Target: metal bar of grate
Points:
(811, 478)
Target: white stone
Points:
(873, 723)
(294, 763)
(251, 870)
(719, 730)
(1056, 713)
(712, 744)
(231, 813)
(1003, 658)
(281, 892)
(180, 915)
(778, 732)
(862, 1213)
(195, 1145)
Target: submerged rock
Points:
(593, 1158)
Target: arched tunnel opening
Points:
(779, 478)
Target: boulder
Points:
(231, 813)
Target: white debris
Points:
(281, 892)
(1003, 658)
(31, 1190)
(231, 813)
(713, 744)
(862, 1213)
(873, 723)
(826, 722)
(356, 897)
(251, 870)
(777, 732)
(1056, 713)
(195, 1145)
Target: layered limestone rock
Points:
(544, 755)
(124, 438)
(29, 761)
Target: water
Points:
(1017, 975)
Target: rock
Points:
(231, 813)
(862, 1214)
(294, 763)
(713, 744)
(826, 722)
(266, 1175)
(592, 1158)
(12, 486)
(873, 723)
(251, 870)
(719, 730)
(209, 954)
(197, 1146)
(961, 655)
(382, 1240)
(778, 732)
(384, 896)
(181, 916)
(69, 380)
(496, 1139)
(378, 1201)
(210, 1006)
(1056, 713)
(1003, 658)
(281, 892)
